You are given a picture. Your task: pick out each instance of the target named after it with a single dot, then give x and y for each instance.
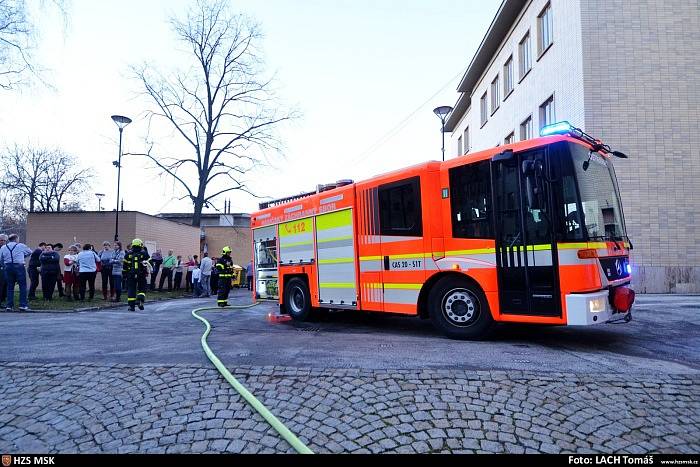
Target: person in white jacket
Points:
(205, 281)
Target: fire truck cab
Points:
(531, 232)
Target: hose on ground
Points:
(274, 422)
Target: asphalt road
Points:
(663, 337)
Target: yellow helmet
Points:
(226, 249)
(137, 242)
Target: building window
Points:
(544, 29)
(470, 199)
(459, 146)
(508, 77)
(495, 95)
(466, 140)
(526, 129)
(547, 115)
(510, 138)
(484, 110)
(524, 54)
(400, 208)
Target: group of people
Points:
(74, 274)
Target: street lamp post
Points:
(121, 122)
(442, 112)
(99, 200)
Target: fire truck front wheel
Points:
(459, 309)
(297, 299)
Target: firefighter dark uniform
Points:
(225, 268)
(135, 272)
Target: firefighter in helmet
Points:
(135, 271)
(225, 268)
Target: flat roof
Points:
(505, 17)
(44, 213)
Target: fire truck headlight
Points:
(629, 269)
(596, 305)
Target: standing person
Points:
(57, 247)
(196, 286)
(214, 283)
(249, 275)
(106, 256)
(50, 269)
(225, 268)
(87, 270)
(179, 270)
(117, 268)
(70, 277)
(205, 281)
(33, 269)
(3, 282)
(156, 261)
(188, 277)
(169, 263)
(135, 271)
(13, 255)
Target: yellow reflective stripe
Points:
(289, 245)
(334, 219)
(336, 239)
(337, 285)
(403, 286)
(581, 246)
(336, 261)
(408, 256)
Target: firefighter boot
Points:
(141, 301)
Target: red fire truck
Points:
(531, 232)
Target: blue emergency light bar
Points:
(559, 128)
(566, 128)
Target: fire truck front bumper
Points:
(598, 307)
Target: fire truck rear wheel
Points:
(297, 299)
(459, 309)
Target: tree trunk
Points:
(199, 204)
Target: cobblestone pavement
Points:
(190, 408)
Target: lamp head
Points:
(442, 111)
(121, 121)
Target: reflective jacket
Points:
(225, 266)
(133, 262)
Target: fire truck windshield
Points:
(591, 198)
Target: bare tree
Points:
(17, 41)
(220, 108)
(42, 179)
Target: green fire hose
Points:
(274, 422)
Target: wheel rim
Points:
(298, 301)
(460, 307)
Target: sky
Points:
(364, 76)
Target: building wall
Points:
(166, 235)
(642, 95)
(239, 239)
(558, 71)
(96, 227)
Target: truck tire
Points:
(458, 308)
(297, 299)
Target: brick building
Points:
(220, 230)
(624, 71)
(96, 227)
